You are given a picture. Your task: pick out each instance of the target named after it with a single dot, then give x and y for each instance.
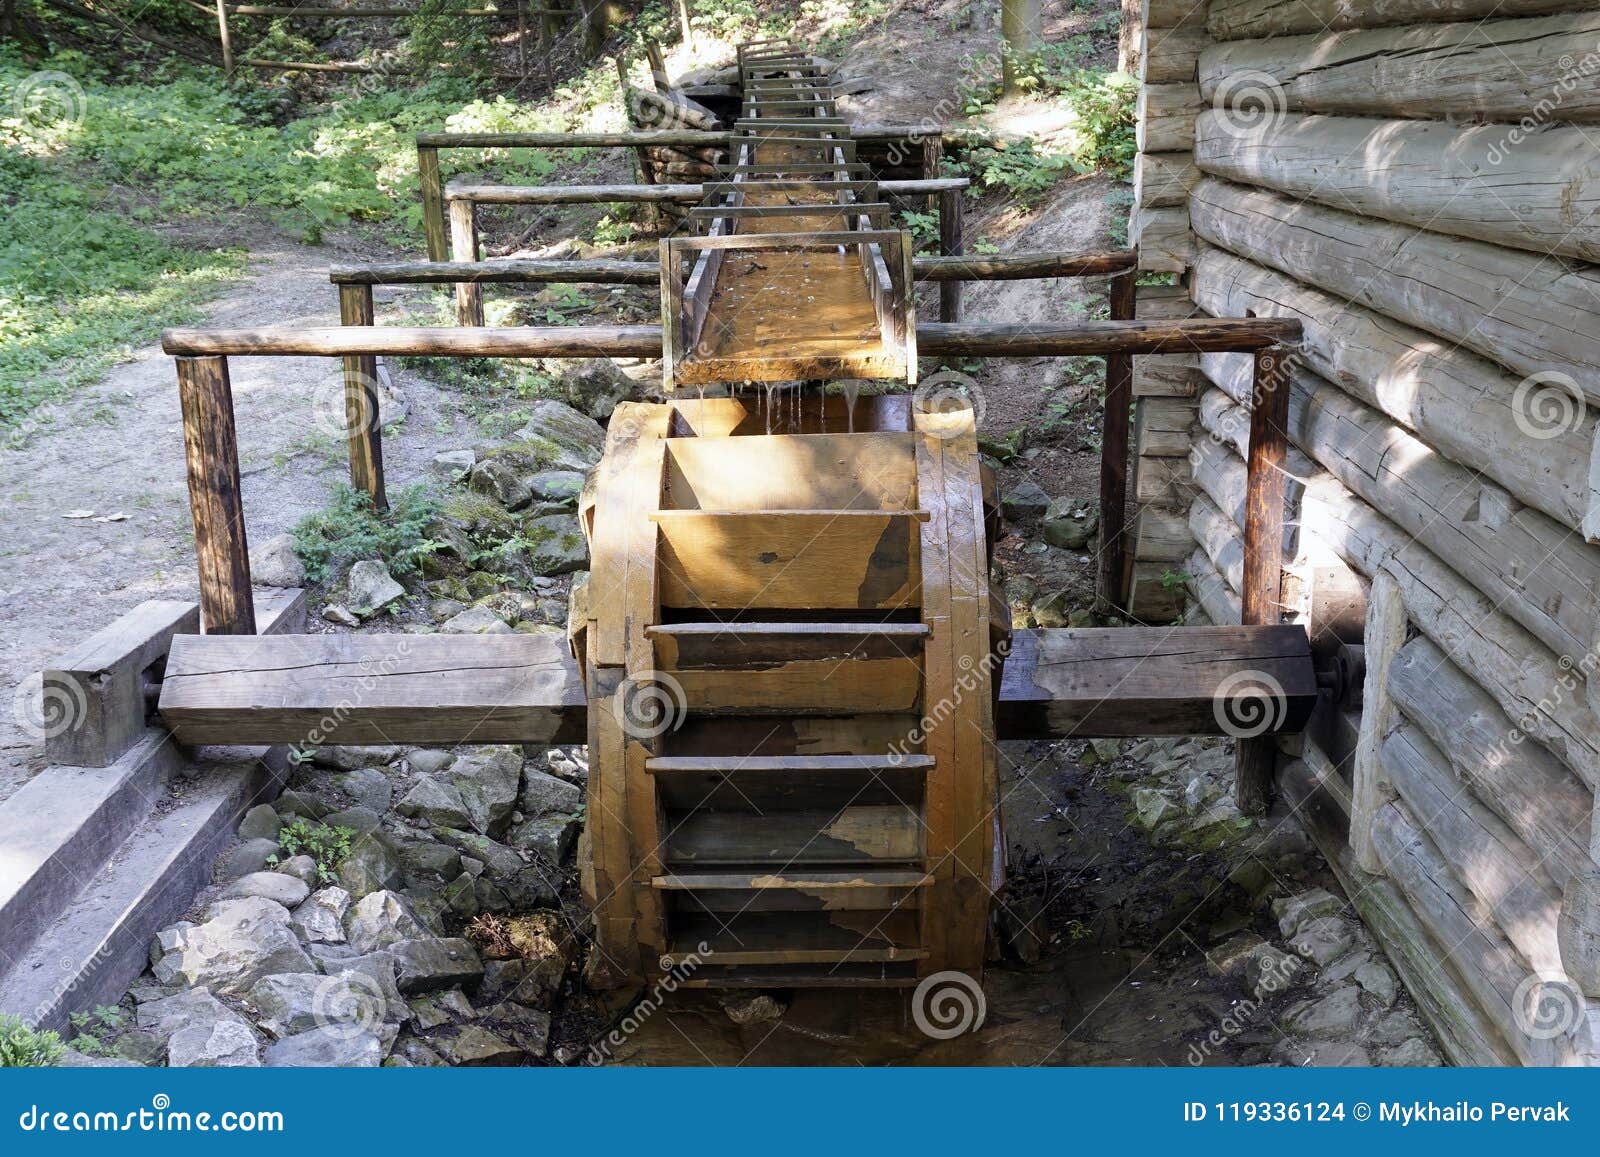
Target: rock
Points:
(1395, 1028)
(592, 385)
(1379, 981)
(1323, 939)
(320, 919)
(1069, 523)
(581, 438)
(430, 760)
(559, 486)
(73, 1059)
(299, 1002)
(141, 1047)
(1345, 967)
(1296, 910)
(245, 858)
(378, 967)
(224, 1044)
(438, 803)
(1026, 499)
(302, 868)
(339, 616)
(478, 1047)
(429, 964)
(551, 837)
(752, 1008)
(544, 794)
(1233, 955)
(371, 866)
(370, 588)
(353, 756)
(1152, 807)
(529, 1027)
(428, 859)
(1340, 1054)
(487, 779)
(1414, 1053)
(274, 886)
(1269, 971)
(368, 786)
(1336, 1014)
(453, 465)
(240, 942)
(554, 545)
(1051, 610)
(565, 766)
(477, 621)
(260, 823)
(308, 805)
(331, 1046)
(412, 1053)
(545, 950)
(275, 564)
(362, 821)
(499, 861)
(502, 478)
(188, 1008)
(381, 919)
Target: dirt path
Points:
(116, 449)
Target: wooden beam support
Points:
(363, 425)
(211, 448)
(952, 243)
(433, 222)
(1256, 756)
(1114, 453)
(464, 247)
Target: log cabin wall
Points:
(1418, 184)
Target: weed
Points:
(350, 529)
(22, 1047)
(327, 846)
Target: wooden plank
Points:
(850, 835)
(480, 194)
(821, 559)
(864, 471)
(1384, 636)
(785, 764)
(1131, 681)
(979, 339)
(354, 689)
(211, 450)
(1255, 757)
(785, 938)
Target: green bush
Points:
(327, 846)
(350, 529)
(22, 1047)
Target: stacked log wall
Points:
(1420, 193)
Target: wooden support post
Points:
(362, 415)
(1114, 454)
(951, 244)
(212, 450)
(433, 223)
(464, 247)
(1370, 788)
(225, 39)
(1256, 757)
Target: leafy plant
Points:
(22, 1047)
(1172, 580)
(1017, 167)
(924, 227)
(350, 529)
(327, 846)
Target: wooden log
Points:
(1242, 19)
(362, 413)
(1180, 681)
(1172, 55)
(952, 243)
(1531, 790)
(1461, 404)
(1162, 481)
(211, 449)
(434, 226)
(1103, 337)
(1163, 180)
(629, 139)
(1536, 571)
(1160, 535)
(1163, 239)
(1166, 117)
(1501, 70)
(1505, 874)
(569, 194)
(1541, 693)
(464, 247)
(1219, 538)
(1173, 14)
(1255, 757)
(1489, 968)
(1370, 788)
(1167, 376)
(1114, 453)
(1211, 590)
(1542, 194)
(1532, 315)
(1578, 932)
(1162, 427)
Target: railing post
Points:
(1256, 758)
(433, 227)
(951, 244)
(464, 247)
(225, 38)
(362, 416)
(1114, 454)
(211, 448)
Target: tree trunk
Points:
(683, 21)
(1019, 26)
